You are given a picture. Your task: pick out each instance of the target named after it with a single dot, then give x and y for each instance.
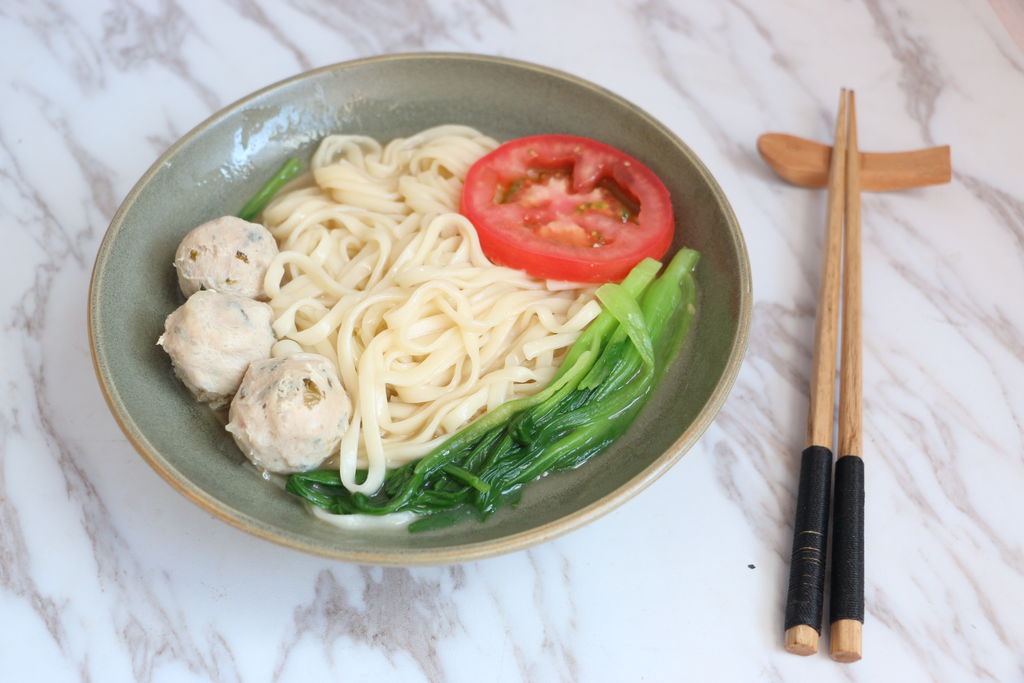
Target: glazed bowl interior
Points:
(214, 169)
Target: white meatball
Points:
(226, 255)
(211, 340)
(290, 413)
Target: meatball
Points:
(211, 340)
(226, 255)
(290, 413)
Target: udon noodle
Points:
(378, 273)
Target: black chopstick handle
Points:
(806, 593)
(847, 589)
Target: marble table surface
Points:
(107, 574)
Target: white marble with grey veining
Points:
(107, 574)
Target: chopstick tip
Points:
(846, 641)
(801, 640)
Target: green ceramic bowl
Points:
(217, 166)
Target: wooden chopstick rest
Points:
(806, 163)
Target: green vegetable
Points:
(635, 283)
(604, 381)
(252, 207)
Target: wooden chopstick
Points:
(810, 534)
(806, 593)
(847, 586)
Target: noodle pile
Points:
(380, 275)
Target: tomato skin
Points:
(543, 204)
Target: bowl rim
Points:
(463, 552)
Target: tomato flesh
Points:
(567, 208)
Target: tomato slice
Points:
(567, 208)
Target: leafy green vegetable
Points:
(252, 207)
(602, 384)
